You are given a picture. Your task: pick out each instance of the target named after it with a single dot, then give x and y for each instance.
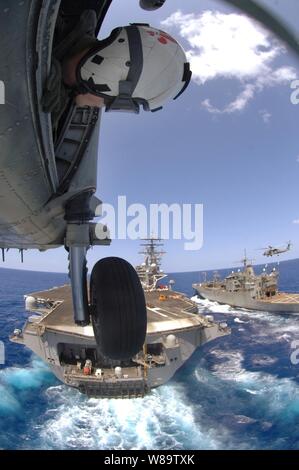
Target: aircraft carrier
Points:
(245, 289)
(174, 331)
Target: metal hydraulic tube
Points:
(77, 242)
(78, 276)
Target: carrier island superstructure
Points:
(174, 331)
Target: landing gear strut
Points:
(78, 275)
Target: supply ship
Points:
(245, 289)
(174, 331)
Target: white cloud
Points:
(237, 105)
(231, 46)
(298, 159)
(296, 221)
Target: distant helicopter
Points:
(272, 251)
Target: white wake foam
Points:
(207, 306)
(161, 420)
(15, 380)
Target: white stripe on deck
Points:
(156, 310)
(172, 313)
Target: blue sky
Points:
(230, 142)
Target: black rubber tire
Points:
(118, 309)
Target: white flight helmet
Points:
(136, 65)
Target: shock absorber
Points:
(77, 242)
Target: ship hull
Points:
(174, 331)
(280, 303)
(187, 343)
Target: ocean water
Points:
(238, 392)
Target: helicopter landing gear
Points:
(116, 305)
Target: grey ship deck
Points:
(174, 331)
(175, 312)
